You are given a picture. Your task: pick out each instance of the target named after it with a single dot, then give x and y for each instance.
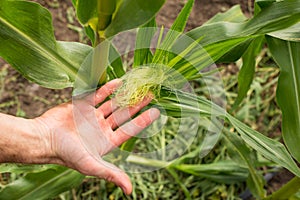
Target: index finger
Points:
(109, 88)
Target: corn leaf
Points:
(115, 68)
(132, 14)
(234, 14)
(222, 171)
(291, 33)
(277, 16)
(86, 10)
(226, 41)
(43, 185)
(200, 58)
(290, 191)
(27, 42)
(264, 3)
(142, 53)
(175, 31)
(271, 149)
(182, 18)
(286, 54)
(246, 157)
(21, 169)
(247, 71)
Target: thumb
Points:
(111, 173)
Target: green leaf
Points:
(86, 11)
(132, 14)
(277, 16)
(291, 34)
(105, 11)
(236, 52)
(271, 149)
(236, 146)
(201, 58)
(227, 41)
(234, 14)
(247, 71)
(287, 191)
(27, 42)
(91, 34)
(142, 53)
(21, 169)
(74, 2)
(182, 18)
(115, 69)
(222, 171)
(95, 16)
(42, 185)
(264, 3)
(286, 54)
(176, 29)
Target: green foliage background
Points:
(27, 32)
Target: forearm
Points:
(21, 141)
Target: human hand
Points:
(80, 134)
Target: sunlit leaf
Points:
(42, 185)
(175, 31)
(234, 14)
(27, 42)
(291, 33)
(86, 10)
(142, 53)
(132, 14)
(286, 54)
(271, 149)
(222, 171)
(277, 16)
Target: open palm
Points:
(81, 133)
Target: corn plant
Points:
(28, 44)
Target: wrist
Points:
(24, 141)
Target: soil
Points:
(23, 98)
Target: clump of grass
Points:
(140, 82)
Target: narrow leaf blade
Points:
(142, 52)
(255, 181)
(271, 149)
(56, 179)
(247, 71)
(175, 31)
